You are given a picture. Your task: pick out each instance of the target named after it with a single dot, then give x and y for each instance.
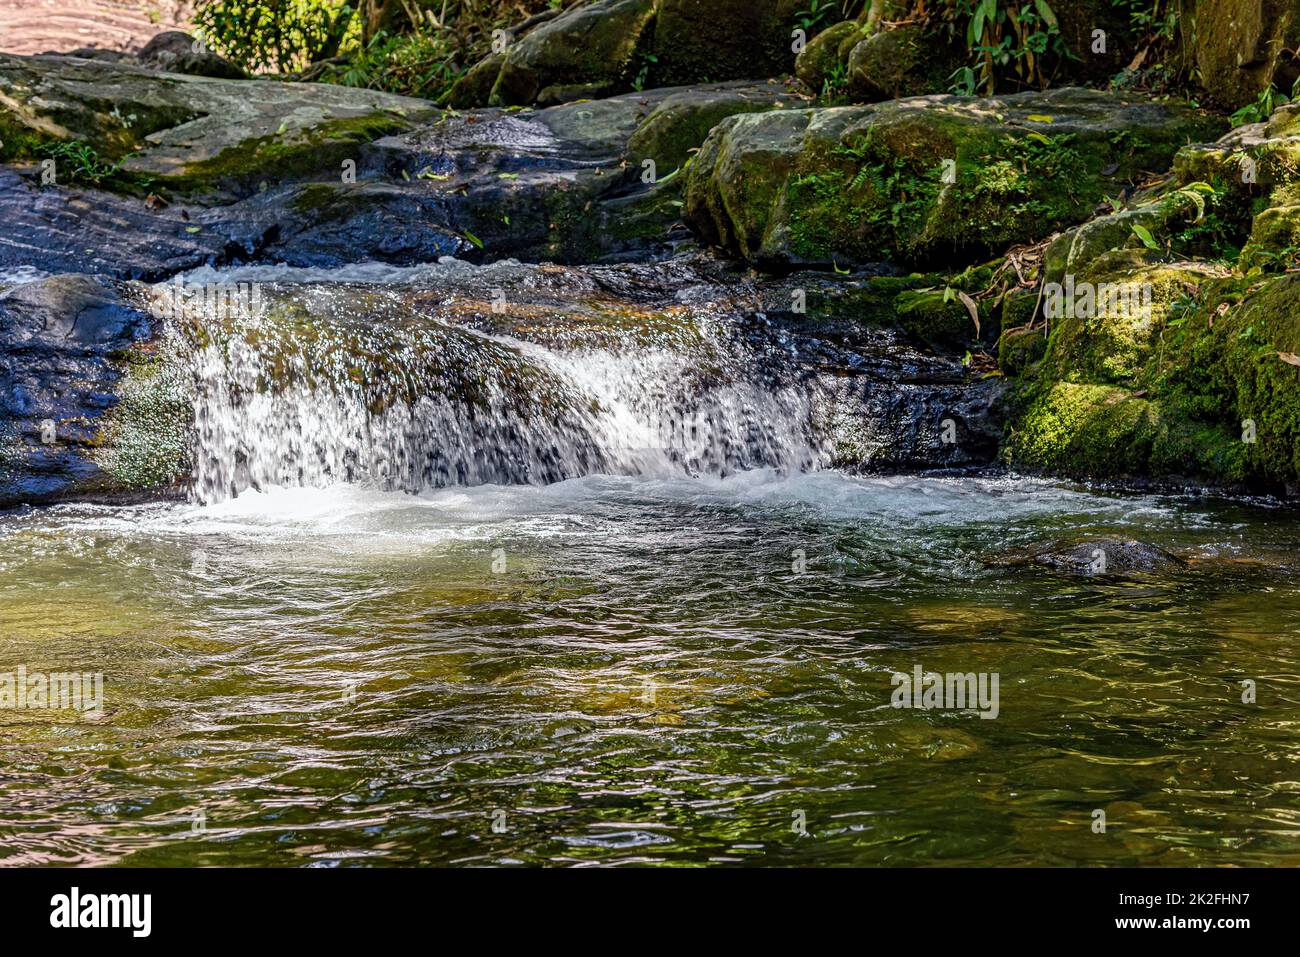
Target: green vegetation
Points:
(278, 35)
(414, 47)
(1006, 40)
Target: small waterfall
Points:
(324, 383)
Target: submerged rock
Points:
(1100, 556)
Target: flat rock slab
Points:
(86, 231)
(194, 128)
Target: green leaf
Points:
(474, 239)
(1045, 12)
(1144, 234)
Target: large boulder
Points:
(1199, 384)
(175, 51)
(907, 61)
(821, 60)
(925, 179)
(1237, 44)
(588, 51)
(602, 47)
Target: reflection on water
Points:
(618, 670)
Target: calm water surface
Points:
(629, 670)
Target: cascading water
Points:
(326, 383)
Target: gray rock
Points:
(174, 51)
(64, 344)
(197, 134)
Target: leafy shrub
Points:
(280, 35)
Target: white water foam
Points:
(310, 395)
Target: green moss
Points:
(1085, 431)
(18, 141)
(144, 443)
(1230, 369)
(935, 319)
(884, 195)
(314, 152)
(1019, 347)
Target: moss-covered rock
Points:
(682, 121)
(586, 52)
(194, 133)
(906, 61)
(821, 59)
(710, 40)
(1019, 347)
(925, 179)
(474, 87)
(1237, 44)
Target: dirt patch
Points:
(43, 26)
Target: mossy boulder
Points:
(821, 59)
(906, 61)
(927, 179)
(1202, 387)
(587, 52)
(710, 40)
(1237, 45)
(1019, 347)
(681, 122)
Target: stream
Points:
(555, 595)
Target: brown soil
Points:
(43, 26)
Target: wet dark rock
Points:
(88, 231)
(63, 349)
